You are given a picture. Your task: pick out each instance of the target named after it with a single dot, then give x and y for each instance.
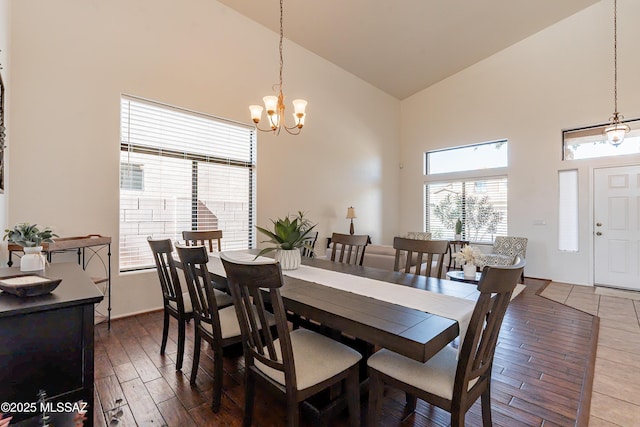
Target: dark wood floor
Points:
(543, 366)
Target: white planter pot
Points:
(469, 271)
(289, 260)
(33, 259)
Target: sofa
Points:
(383, 256)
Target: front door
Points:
(616, 227)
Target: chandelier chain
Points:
(281, 37)
(615, 55)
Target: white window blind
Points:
(568, 210)
(481, 205)
(182, 170)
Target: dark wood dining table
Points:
(413, 333)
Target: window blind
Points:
(182, 170)
(481, 205)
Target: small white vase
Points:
(458, 237)
(469, 271)
(288, 259)
(33, 259)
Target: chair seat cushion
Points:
(435, 376)
(316, 358)
(229, 325)
(186, 299)
(495, 259)
(222, 299)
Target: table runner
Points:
(448, 306)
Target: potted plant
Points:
(31, 238)
(458, 229)
(288, 237)
(468, 257)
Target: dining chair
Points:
(207, 238)
(433, 251)
(203, 237)
(298, 363)
(450, 380)
(177, 304)
(218, 326)
(310, 242)
(353, 246)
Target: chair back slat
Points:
(194, 261)
(353, 246)
(251, 285)
(204, 238)
(421, 249)
(478, 347)
(162, 250)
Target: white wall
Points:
(557, 79)
(71, 60)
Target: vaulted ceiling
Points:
(404, 46)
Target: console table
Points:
(87, 248)
(47, 341)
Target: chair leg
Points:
(412, 401)
(217, 379)
(376, 387)
(165, 332)
(457, 418)
(353, 396)
(485, 400)
(293, 411)
(196, 355)
(181, 338)
(249, 391)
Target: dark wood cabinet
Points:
(46, 342)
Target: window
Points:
(480, 205)
(467, 183)
(590, 142)
(181, 170)
(472, 157)
(131, 176)
(568, 210)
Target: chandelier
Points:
(616, 130)
(275, 104)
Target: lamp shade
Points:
(351, 213)
(616, 133)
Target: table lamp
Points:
(351, 214)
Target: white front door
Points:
(616, 227)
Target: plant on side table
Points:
(288, 236)
(30, 238)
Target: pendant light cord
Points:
(615, 55)
(281, 37)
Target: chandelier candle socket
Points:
(275, 104)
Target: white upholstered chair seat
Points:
(316, 358)
(186, 299)
(222, 299)
(229, 325)
(435, 376)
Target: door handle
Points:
(598, 224)
(598, 233)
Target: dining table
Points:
(392, 315)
